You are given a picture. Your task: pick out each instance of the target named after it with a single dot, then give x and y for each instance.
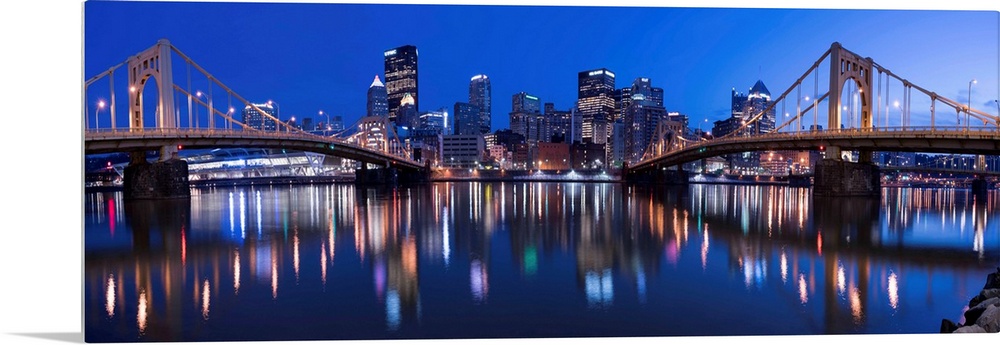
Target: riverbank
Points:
(982, 315)
(258, 181)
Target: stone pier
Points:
(980, 188)
(390, 176)
(658, 176)
(841, 178)
(378, 176)
(160, 180)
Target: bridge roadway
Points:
(949, 140)
(152, 139)
(927, 170)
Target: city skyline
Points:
(311, 71)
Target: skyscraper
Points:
(644, 111)
(744, 109)
(378, 103)
(560, 123)
(256, 120)
(480, 95)
(406, 116)
(401, 77)
(523, 106)
(467, 120)
(595, 101)
(757, 101)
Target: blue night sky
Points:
(311, 57)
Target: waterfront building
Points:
(425, 145)
(462, 151)
(508, 139)
(641, 116)
(538, 128)
(551, 156)
(587, 155)
(560, 123)
(596, 104)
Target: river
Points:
(489, 260)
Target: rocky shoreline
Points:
(983, 314)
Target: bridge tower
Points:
(833, 175)
(846, 66)
(167, 178)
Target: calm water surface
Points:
(474, 260)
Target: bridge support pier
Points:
(979, 188)
(841, 178)
(379, 176)
(390, 176)
(658, 176)
(160, 180)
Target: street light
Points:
(100, 105)
(969, 109)
(277, 109)
(198, 94)
(327, 123)
(896, 104)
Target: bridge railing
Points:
(977, 132)
(105, 133)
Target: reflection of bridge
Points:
(857, 120)
(206, 126)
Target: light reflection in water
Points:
(803, 294)
(704, 248)
(893, 290)
(599, 289)
(140, 316)
(274, 277)
(109, 299)
(479, 281)
(206, 295)
(841, 280)
(236, 272)
(653, 223)
(446, 239)
(295, 253)
(232, 219)
(322, 263)
(856, 305)
(243, 216)
(392, 312)
(259, 215)
(784, 267)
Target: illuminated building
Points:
(406, 117)
(401, 78)
(596, 104)
(480, 95)
(643, 111)
(467, 119)
(524, 111)
(462, 151)
(378, 103)
(256, 120)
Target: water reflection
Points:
(415, 260)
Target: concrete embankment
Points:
(983, 313)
